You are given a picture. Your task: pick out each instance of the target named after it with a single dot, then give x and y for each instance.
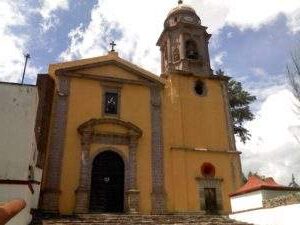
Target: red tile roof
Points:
(256, 183)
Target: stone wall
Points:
(291, 198)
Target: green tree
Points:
(239, 102)
(244, 178)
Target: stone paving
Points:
(113, 219)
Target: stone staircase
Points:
(123, 219)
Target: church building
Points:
(124, 140)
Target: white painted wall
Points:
(18, 107)
(283, 215)
(247, 201)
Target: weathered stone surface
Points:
(289, 199)
(108, 219)
(158, 194)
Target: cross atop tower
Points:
(112, 44)
(180, 2)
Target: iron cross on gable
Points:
(112, 44)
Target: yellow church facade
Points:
(124, 140)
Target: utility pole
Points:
(27, 56)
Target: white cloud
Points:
(49, 6)
(10, 14)
(294, 21)
(273, 149)
(258, 71)
(229, 35)
(265, 86)
(47, 11)
(246, 13)
(92, 40)
(12, 46)
(138, 36)
(217, 61)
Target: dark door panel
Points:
(210, 200)
(107, 186)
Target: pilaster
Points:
(51, 192)
(83, 190)
(133, 192)
(158, 189)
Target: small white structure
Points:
(282, 215)
(19, 176)
(259, 200)
(252, 200)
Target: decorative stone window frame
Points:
(110, 87)
(210, 182)
(90, 136)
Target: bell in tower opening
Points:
(184, 43)
(191, 50)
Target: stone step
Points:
(113, 219)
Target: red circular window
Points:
(208, 170)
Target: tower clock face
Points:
(188, 19)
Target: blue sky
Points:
(252, 42)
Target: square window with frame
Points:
(111, 103)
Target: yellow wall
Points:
(193, 122)
(184, 167)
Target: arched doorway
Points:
(107, 183)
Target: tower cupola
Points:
(184, 42)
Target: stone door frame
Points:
(90, 136)
(210, 182)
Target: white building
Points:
(262, 201)
(19, 176)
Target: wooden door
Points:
(210, 200)
(107, 185)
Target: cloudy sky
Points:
(252, 41)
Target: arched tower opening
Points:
(191, 51)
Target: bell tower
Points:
(184, 43)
